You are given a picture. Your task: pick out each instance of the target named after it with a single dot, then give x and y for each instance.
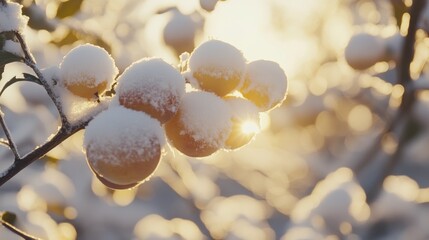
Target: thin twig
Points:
(17, 231)
(11, 144)
(29, 61)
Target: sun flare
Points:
(249, 127)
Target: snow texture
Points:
(208, 5)
(11, 18)
(153, 81)
(268, 78)
(13, 47)
(217, 59)
(89, 65)
(75, 108)
(206, 117)
(119, 127)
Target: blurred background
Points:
(295, 180)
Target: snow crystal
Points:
(11, 18)
(88, 64)
(119, 126)
(152, 81)
(206, 117)
(208, 5)
(217, 59)
(268, 78)
(13, 47)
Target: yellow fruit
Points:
(217, 67)
(201, 125)
(134, 100)
(115, 186)
(123, 146)
(87, 71)
(210, 80)
(153, 86)
(87, 89)
(265, 84)
(245, 122)
(183, 140)
(119, 166)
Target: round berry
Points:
(153, 86)
(245, 122)
(87, 71)
(123, 146)
(217, 67)
(179, 32)
(201, 125)
(265, 84)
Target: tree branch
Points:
(29, 61)
(18, 232)
(39, 152)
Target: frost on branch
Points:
(11, 18)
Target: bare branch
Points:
(17, 231)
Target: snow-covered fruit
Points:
(201, 125)
(217, 67)
(245, 122)
(153, 86)
(123, 147)
(365, 50)
(179, 32)
(265, 84)
(87, 71)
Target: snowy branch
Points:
(29, 61)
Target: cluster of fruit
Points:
(213, 103)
